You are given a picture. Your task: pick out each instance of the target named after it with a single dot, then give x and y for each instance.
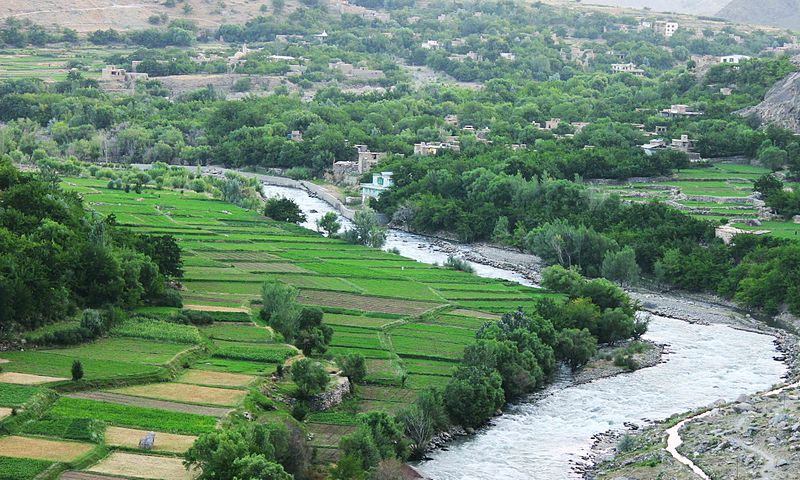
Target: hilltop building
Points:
(665, 29)
(627, 68)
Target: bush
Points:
(91, 321)
(77, 370)
(300, 411)
(170, 298)
(310, 377)
(354, 367)
(458, 264)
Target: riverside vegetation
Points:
(344, 305)
(190, 313)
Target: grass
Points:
(82, 429)
(238, 333)
(132, 416)
(21, 468)
(253, 352)
(16, 395)
(158, 330)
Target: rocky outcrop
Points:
(334, 395)
(778, 13)
(781, 105)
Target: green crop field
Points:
(392, 310)
(16, 395)
(21, 468)
(132, 416)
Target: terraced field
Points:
(410, 320)
(719, 192)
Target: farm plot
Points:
(42, 449)
(364, 303)
(27, 379)
(158, 330)
(133, 416)
(186, 393)
(396, 288)
(164, 442)
(273, 267)
(429, 367)
(386, 394)
(470, 323)
(81, 429)
(357, 321)
(22, 468)
(317, 282)
(221, 379)
(253, 351)
(236, 366)
(143, 466)
(326, 434)
(238, 333)
(418, 347)
(356, 338)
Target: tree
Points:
(77, 370)
(501, 234)
(576, 347)
(348, 467)
(354, 367)
(418, 427)
(329, 223)
(258, 467)
(366, 230)
(621, 266)
(309, 376)
(284, 210)
(473, 395)
(279, 307)
(377, 437)
(773, 158)
(312, 334)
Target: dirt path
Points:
(87, 9)
(150, 403)
(73, 475)
(674, 441)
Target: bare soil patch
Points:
(73, 475)
(4, 412)
(182, 392)
(165, 442)
(215, 308)
(363, 302)
(207, 377)
(27, 379)
(143, 466)
(4, 360)
(151, 403)
(42, 449)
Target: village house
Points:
(451, 120)
(380, 183)
(367, 159)
(733, 59)
(660, 129)
(110, 73)
(351, 71)
(428, 149)
(508, 56)
(552, 124)
(679, 111)
(627, 68)
(665, 29)
(295, 136)
(519, 146)
(725, 91)
(682, 144)
(578, 126)
(431, 45)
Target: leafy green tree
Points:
(366, 230)
(473, 395)
(501, 233)
(279, 307)
(284, 210)
(773, 158)
(329, 223)
(309, 376)
(312, 334)
(258, 467)
(576, 347)
(349, 466)
(621, 266)
(354, 367)
(77, 370)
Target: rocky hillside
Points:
(781, 105)
(89, 15)
(778, 13)
(693, 7)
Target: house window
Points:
(380, 181)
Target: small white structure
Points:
(295, 136)
(427, 149)
(508, 56)
(627, 68)
(679, 111)
(431, 45)
(733, 58)
(552, 124)
(666, 29)
(380, 183)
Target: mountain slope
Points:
(693, 7)
(781, 105)
(778, 13)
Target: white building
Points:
(666, 29)
(733, 58)
(627, 68)
(380, 183)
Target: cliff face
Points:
(781, 105)
(778, 13)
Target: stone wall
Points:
(333, 396)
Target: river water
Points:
(543, 436)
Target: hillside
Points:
(781, 105)
(90, 15)
(779, 13)
(692, 7)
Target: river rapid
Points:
(546, 434)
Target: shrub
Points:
(458, 264)
(310, 377)
(354, 367)
(77, 370)
(170, 298)
(300, 411)
(626, 444)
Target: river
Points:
(543, 436)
